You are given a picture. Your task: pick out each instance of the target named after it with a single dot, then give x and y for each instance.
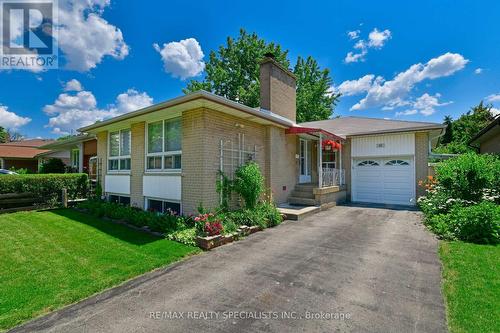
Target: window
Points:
(329, 158)
(120, 199)
(397, 162)
(119, 150)
(75, 158)
(368, 163)
(164, 145)
(162, 206)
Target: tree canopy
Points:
(460, 131)
(233, 72)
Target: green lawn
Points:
(471, 285)
(53, 258)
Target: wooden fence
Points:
(13, 202)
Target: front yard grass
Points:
(54, 258)
(471, 286)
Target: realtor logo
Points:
(27, 35)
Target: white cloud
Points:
(383, 93)
(493, 98)
(355, 57)
(85, 37)
(406, 113)
(495, 111)
(478, 71)
(355, 87)
(73, 85)
(426, 104)
(10, 119)
(182, 59)
(132, 100)
(353, 34)
(377, 39)
(72, 111)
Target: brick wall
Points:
(102, 148)
(202, 130)
(282, 170)
(277, 89)
(346, 165)
(137, 133)
(421, 160)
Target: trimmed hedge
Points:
(46, 187)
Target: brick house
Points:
(168, 155)
(27, 154)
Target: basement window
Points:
(163, 206)
(119, 199)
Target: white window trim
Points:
(75, 163)
(119, 157)
(160, 154)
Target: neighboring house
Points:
(80, 148)
(488, 139)
(169, 155)
(25, 154)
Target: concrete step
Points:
(305, 187)
(302, 194)
(301, 201)
(297, 213)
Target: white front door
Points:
(387, 180)
(305, 163)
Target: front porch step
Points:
(301, 201)
(302, 194)
(305, 187)
(296, 213)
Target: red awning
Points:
(307, 130)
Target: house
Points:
(488, 139)
(168, 155)
(79, 148)
(26, 154)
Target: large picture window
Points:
(119, 150)
(164, 145)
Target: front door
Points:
(305, 163)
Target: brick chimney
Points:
(277, 88)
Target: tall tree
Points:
(315, 101)
(447, 137)
(3, 135)
(233, 72)
(465, 127)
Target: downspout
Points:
(431, 154)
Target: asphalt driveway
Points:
(353, 269)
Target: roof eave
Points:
(410, 129)
(201, 94)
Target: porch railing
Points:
(332, 177)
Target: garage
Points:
(388, 180)
(383, 169)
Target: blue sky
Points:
(445, 52)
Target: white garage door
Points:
(388, 180)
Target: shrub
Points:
(53, 165)
(46, 188)
(185, 236)
(165, 223)
(271, 214)
(249, 183)
(478, 223)
(467, 176)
